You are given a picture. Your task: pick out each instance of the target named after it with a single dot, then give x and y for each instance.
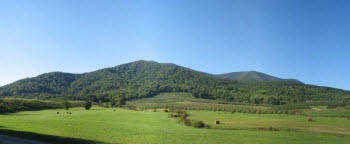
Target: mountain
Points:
(147, 78)
(252, 76)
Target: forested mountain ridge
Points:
(252, 76)
(147, 78)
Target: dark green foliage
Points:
(146, 78)
(335, 105)
(87, 105)
(121, 101)
(198, 124)
(113, 102)
(252, 76)
(65, 104)
(15, 105)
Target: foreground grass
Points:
(124, 126)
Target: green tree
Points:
(65, 104)
(121, 101)
(87, 105)
(113, 103)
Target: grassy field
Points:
(101, 125)
(173, 98)
(280, 122)
(187, 100)
(322, 111)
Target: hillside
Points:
(147, 78)
(252, 76)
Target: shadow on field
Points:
(45, 138)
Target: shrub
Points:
(65, 104)
(309, 119)
(165, 110)
(187, 122)
(171, 115)
(87, 105)
(272, 129)
(154, 110)
(198, 124)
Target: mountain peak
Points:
(252, 76)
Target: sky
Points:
(308, 40)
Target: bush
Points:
(87, 105)
(65, 104)
(272, 129)
(171, 115)
(165, 110)
(309, 119)
(198, 124)
(187, 122)
(15, 105)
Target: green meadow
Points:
(104, 125)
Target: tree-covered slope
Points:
(251, 76)
(147, 78)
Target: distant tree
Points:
(113, 103)
(87, 105)
(121, 101)
(65, 104)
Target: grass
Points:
(322, 111)
(187, 100)
(101, 125)
(281, 122)
(171, 98)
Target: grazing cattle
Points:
(217, 122)
(348, 118)
(309, 119)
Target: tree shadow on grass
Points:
(45, 138)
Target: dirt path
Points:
(14, 140)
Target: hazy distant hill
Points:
(252, 76)
(147, 78)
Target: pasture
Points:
(103, 125)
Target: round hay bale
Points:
(217, 122)
(309, 119)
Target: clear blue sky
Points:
(304, 39)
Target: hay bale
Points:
(217, 122)
(309, 119)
